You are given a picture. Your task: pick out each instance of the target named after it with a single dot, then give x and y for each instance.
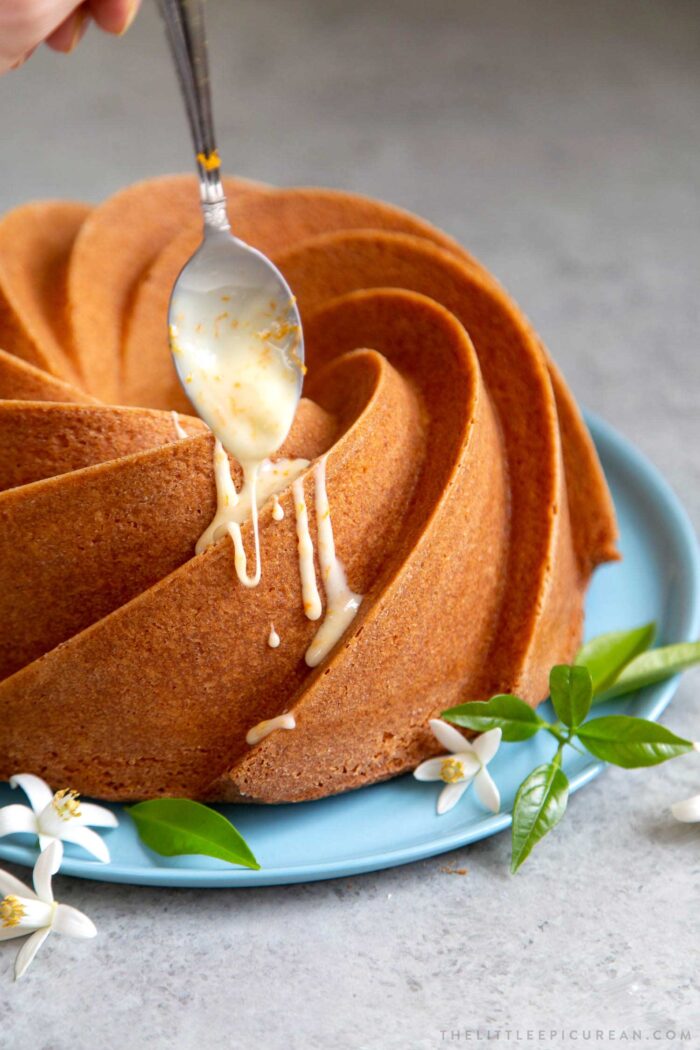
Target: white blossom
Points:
(465, 764)
(34, 913)
(56, 817)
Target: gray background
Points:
(559, 141)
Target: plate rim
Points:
(655, 700)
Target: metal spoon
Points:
(235, 331)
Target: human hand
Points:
(61, 24)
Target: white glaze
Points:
(234, 368)
(239, 555)
(277, 508)
(238, 374)
(269, 725)
(307, 569)
(341, 603)
(233, 508)
(273, 639)
(180, 431)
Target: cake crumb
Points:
(454, 871)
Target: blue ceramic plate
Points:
(394, 823)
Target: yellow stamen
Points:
(11, 911)
(66, 804)
(451, 770)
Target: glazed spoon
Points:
(235, 331)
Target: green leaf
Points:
(571, 691)
(173, 826)
(631, 742)
(510, 714)
(608, 654)
(651, 667)
(539, 806)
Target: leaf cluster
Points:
(609, 666)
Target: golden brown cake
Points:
(468, 504)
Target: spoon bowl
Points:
(237, 344)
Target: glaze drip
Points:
(341, 603)
(180, 431)
(273, 639)
(269, 725)
(307, 569)
(260, 482)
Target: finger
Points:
(23, 26)
(114, 16)
(70, 32)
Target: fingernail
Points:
(79, 27)
(25, 58)
(130, 16)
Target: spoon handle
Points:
(185, 28)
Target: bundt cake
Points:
(468, 505)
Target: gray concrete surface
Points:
(559, 141)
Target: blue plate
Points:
(395, 822)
